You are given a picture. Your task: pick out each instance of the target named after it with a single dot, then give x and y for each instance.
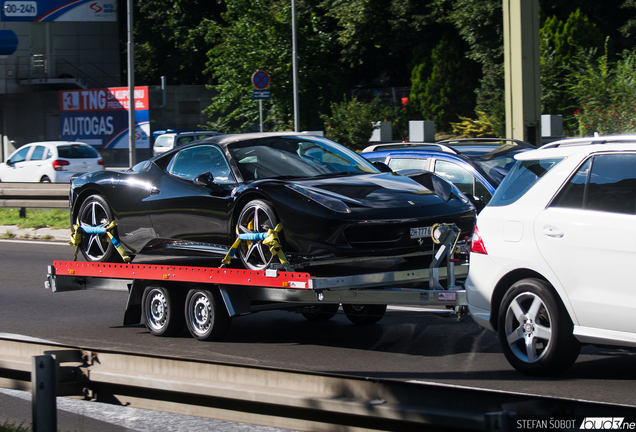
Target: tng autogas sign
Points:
(99, 117)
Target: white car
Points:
(168, 141)
(552, 254)
(50, 161)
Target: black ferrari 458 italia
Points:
(332, 204)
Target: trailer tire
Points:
(364, 314)
(322, 312)
(206, 316)
(162, 310)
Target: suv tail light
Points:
(477, 243)
(59, 163)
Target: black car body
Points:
(332, 203)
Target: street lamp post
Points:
(295, 67)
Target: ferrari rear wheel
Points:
(364, 314)
(95, 212)
(257, 216)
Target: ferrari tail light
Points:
(477, 243)
(59, 164)
(102, 163)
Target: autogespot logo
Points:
(607, 423)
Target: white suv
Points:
(168, 141)
(552, 254)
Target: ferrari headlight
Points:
(324, 200)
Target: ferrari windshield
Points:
(284, 157)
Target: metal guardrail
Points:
(34, 195)
(275, 397)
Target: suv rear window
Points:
(522, 176)
(76, 152)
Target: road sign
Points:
(260, 80)
(261, 94)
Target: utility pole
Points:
(132, 134)
(522, 69)
(295, 67)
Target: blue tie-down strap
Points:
(259, 236)
(93, 229)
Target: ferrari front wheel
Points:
(96, 247)
(257, 216)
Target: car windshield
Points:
(495, 161)
(76, 151)
(281, 157)
(522, 176)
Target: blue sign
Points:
(260, 80)
(8, 42)
(261, 94)
(59, 10)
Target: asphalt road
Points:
(404, 345)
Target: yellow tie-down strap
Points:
(76, 237)
(269, 239)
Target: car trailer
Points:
(163, 297)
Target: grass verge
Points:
(36, 218)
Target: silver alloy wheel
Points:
(528, 327)
(156, 309)
(200, 313)
(256, 217)
(94, 246)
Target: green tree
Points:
(562, 43)
(606, 94)
(257, 35)
(168, 40)
(351, 122)
(441, 86)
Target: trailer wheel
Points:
(206, 315)
(322, 312)
(162, 310)
(364, 314)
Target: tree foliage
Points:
(168, 41)
(351, 122)
(606, 94)
(439, 83)
(257, 35)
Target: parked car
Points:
(552, 254)
(475, 165)
(50, 161)
(170, 140)
(333, 204)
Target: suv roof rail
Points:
(596, 139)
(484, 140)
(423, 145)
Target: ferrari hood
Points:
(384, 190)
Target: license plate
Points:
(420, 232)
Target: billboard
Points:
(59, 10)
(99, 117)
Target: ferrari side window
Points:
(194, 161)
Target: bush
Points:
(351, 122)
(471, 128)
